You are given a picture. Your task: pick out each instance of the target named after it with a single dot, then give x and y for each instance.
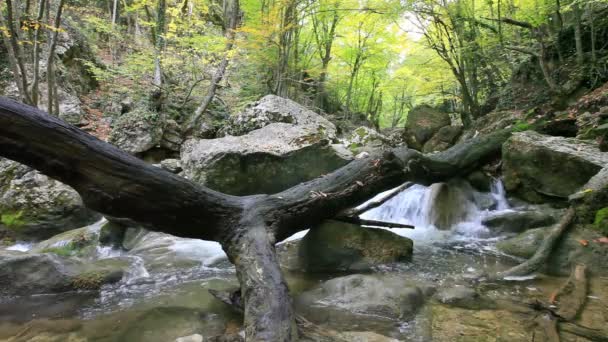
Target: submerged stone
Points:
(353, 297)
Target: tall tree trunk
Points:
(591, 16)
(578, 35)
(159, 45)
(114, 13)
(21, 77)
(232, 16)
(52, 93)
(36, 57)
(12, 60)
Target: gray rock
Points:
(365, 336)
(442, 140)
(463, 297)
(172, 138)
(357, 296)
(191, 338)
(266, 160)
(480, 181)
(538, 168)
(34, 206)
(162, 324)
(338, 246)
(491, 122)
(274, 109)
(136, 131)
(448, 205)
(171, 165)
(366, 139)
(518, 221)
(568, 252)
(23, 274)
(422, 123)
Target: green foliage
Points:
(601, 221)
(521, 126)
(13, 220)
(64, 251)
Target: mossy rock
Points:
(77, 242)
(337, 246)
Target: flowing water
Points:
(164, 292)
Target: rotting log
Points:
(121, 186)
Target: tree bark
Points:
(122, 186)
(578, 34)
(36, 56)
(20, 77)
(52, 98)
(232, 17)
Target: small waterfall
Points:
(406, 207)
(497, 190)
(20, 247)
(415, 206)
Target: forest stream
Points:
(164, 294)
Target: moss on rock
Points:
(601, 221)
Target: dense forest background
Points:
(357, 60)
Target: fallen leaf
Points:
(583, 242)
(601, 240)
(553, 297)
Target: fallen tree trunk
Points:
(121, 186)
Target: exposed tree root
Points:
(541, 255)
(571, 297)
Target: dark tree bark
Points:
(119, 185)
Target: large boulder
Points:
(137, 131)
(268, 159)
(537, 167)
(274, 109)
(449, 205)
(368, 299)
(422, 123)
(568, 252)
(443, 139)
(23, 274)
(517, 221)
(34, 206)
(491, 122)
(337, 246)
(366, 139)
